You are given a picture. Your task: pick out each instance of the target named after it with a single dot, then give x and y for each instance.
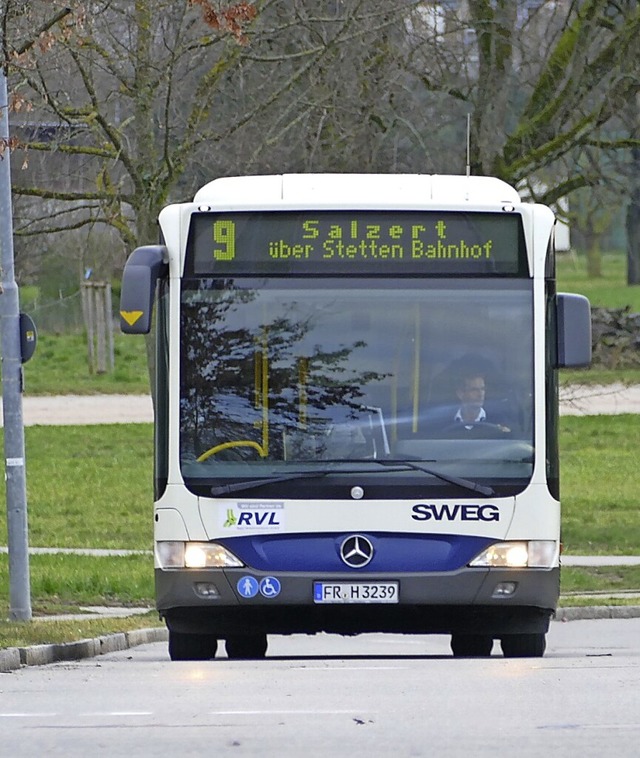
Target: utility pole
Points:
(12, 379)
(15, 471)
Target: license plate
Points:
(355, 592)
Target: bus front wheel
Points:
(471, 645)
(246, 646)
(523, 645)
(192, 647)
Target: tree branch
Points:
(62, 13)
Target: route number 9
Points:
(224, 234)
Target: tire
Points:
(471, 645)
(246, 646)
(523, 645)
(192, 647)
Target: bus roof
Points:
(340, 189)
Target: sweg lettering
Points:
(461, 512)
(258, 518)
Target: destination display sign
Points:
(356, 242)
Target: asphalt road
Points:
(373, 695)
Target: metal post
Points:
(15, 471)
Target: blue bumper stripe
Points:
(404, 553)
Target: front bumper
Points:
(462, 601)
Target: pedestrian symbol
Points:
(270, 586)
(248, 586)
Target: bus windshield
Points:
(290, 377)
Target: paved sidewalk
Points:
(97, 551)
(67, 410)
(611, 399)
(600, 560)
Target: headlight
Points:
(195, 555)
(209, 555)
(532, 554)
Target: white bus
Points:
(356, 414)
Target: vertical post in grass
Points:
(98, 321)
(15, 470)
(86, 292)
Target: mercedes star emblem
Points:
(356, 551)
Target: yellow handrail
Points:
(226, 445)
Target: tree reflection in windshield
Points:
(253, 376)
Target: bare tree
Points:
(144, 94)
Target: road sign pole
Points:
(15, 471)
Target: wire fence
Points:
(61, 315)
(88, 311)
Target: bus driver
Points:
(471, 392)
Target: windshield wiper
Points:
(227, 489)
(459, 481)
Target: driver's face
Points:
(473, 391)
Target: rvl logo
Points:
(258, 518)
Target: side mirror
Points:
(573, 330)
(141, 273)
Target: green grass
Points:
(60, 583)
(60, 367)
(598, 376)
(63, 584)
(600, 480)
(576, 579)
(608, 291)
(576, 582)
(88, 486)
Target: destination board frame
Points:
(365, 242)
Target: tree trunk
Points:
(633, 221)
(594, 255)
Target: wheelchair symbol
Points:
(270, 587)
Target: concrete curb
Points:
(40, 655)
(588, 612)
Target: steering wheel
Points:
(477, 430)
